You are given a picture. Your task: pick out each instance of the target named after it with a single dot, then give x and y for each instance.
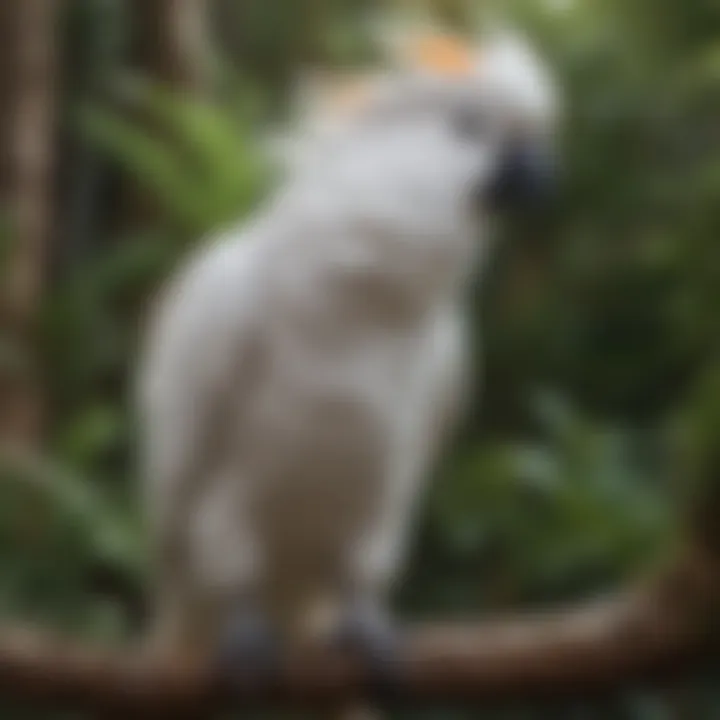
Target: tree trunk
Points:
(169, 45)
(170, 41)
(27, 131)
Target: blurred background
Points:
(129, 130)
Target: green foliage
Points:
(65, 520)
(598, 405)
(571, 511)
(55, 530)
(201, 163)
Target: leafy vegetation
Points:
(595, 406)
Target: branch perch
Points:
(648, 635)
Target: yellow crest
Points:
(443, 54)
(335, 96)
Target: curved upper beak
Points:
(525, 175)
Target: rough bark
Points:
(27, 133)
(170, 41)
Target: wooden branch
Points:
(645, 636)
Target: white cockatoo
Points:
(303, 370)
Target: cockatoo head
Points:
(485, 113)
(517, 96)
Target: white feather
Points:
(303, 371)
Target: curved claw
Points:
(370, 634)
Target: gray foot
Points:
(368, 633)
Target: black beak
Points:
(525, 177)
